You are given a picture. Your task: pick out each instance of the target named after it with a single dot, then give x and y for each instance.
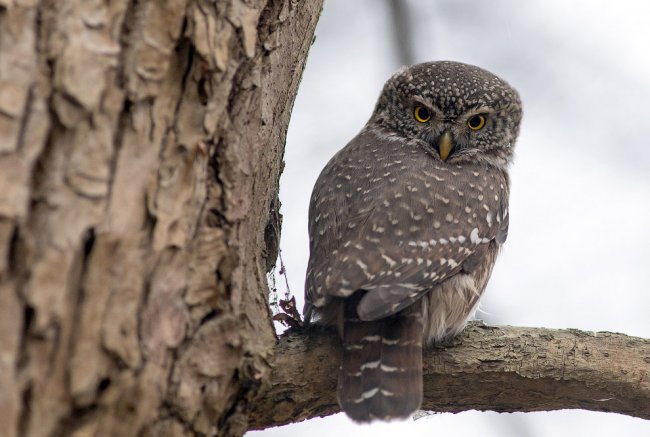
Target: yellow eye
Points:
(476, 123)
(422, 114)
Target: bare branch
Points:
(501, 369)
(402, 31)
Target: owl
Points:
(405, 224)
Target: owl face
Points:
(460, 111)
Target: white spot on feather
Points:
(370, 365)
(389, 260)
(473, 236)
(386, 368)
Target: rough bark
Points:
(487, 368)
(140, 149)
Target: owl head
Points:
(462, 112)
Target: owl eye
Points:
(476, 123)
(422, 114)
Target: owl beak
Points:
(445, 145)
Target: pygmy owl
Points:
(405, 224)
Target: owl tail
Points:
(381, 372)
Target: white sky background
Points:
(578, 250)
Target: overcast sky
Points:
(578, 250)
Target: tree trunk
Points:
(141, 144)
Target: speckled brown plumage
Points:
(402, 241)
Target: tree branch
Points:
(501, 369)
(402, 31)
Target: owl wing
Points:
(396, 275)
(398, 237)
